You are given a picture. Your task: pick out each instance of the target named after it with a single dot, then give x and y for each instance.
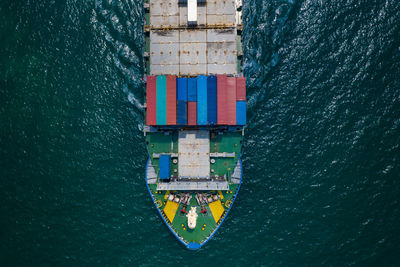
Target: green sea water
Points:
(321, 158)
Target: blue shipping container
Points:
(165, 166)
(192, 89)
(202, 100)
(212, 100)
(181, 112)
(182, 91)
(241, 112)
(161, 100)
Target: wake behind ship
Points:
(195, 113)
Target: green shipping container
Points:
(161, 100)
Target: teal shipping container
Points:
(161, 100)
(202, 100)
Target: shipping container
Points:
(165, 167)
(231, 101)
(241, 89)
(192, 89)
(151, 100)
(161, 100)
(181, 112)
(202, 100)
(192, 113)
(192, 12)
(211, 100)
(182, 89)
(241, 112)
(171, 100)
(222, 116)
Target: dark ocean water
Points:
(321, 157)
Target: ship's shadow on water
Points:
(321, 153)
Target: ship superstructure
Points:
(195, 113)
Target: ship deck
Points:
(194, 154)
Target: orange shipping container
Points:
(241, 89)
(192, 113)
(171, 100)
(151, 99)
(221, 99)
(231, 101)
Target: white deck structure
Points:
(193, 186)
(194, 154)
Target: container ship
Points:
(195, 113)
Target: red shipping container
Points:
(221, 99)
(231, 101)
(151, 99)
(171, 100)
(192, 113)
(241, 89)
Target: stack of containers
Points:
(205, 100)
(192, 101)
(151, 99)
(211, 99)
(171, 100)
(182, 94)
(202, 105)
(241, 101)
(161, 100)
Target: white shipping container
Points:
(192, 10)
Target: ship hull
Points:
(195, 113)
